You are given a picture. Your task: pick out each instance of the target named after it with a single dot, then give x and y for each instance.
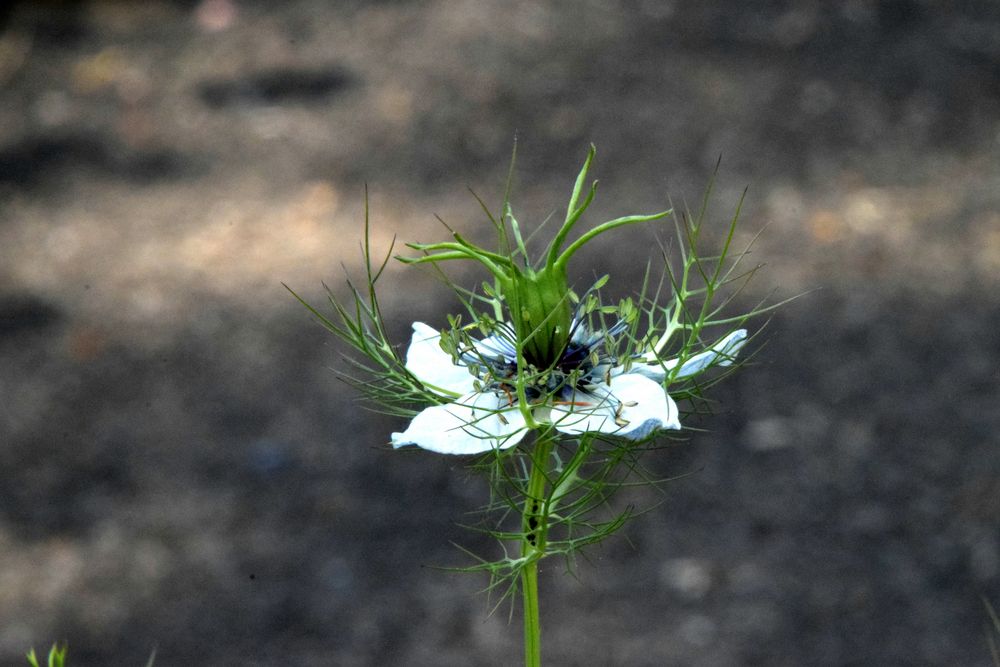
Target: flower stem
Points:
(532, 624)
(534, 520)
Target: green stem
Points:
(534, 528)
(532, 624)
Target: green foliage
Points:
(378, 373)
(57, 657)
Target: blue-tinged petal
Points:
(498, 344)
(475, 423)
(720, 354)
(632, 406)
(655, 372)
(433, 366)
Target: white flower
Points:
(587, 392)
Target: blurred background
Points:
(181, 469)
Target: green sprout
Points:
(57, 657)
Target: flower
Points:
(544, 366)
(585, 391)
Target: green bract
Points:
(538, 297)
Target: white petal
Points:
(633, 407)
(721, 354)
(475, 423)
(433, 366)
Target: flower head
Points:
(586, 390)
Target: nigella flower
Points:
(545, 367)
(585, 391)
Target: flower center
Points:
(584, 364)
(541, 313)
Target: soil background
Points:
(180, 469)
